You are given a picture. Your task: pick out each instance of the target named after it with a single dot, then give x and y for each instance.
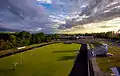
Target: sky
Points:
(60, 16)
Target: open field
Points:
(50, 60)
(105, 63)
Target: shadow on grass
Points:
(64, 58)
(5, 70)
(66, 51)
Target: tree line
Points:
(107, 35)
(19, 39)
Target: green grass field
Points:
(50, 60)
(105, 63)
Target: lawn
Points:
(51, 60)
(105, 63)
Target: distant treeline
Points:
(18, 39)
(107, 35)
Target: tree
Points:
(48, 38)
(109, 35)
(13, 40)
(2, 44)
(25, 37)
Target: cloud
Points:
(45, 1)
(56, 15)
(24, 16)
(96, 11)
(104, 26)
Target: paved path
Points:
(85, 63)
(80, 67)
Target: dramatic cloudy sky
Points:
(60, 16)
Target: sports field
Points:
(51, 60)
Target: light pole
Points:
(21, 58)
